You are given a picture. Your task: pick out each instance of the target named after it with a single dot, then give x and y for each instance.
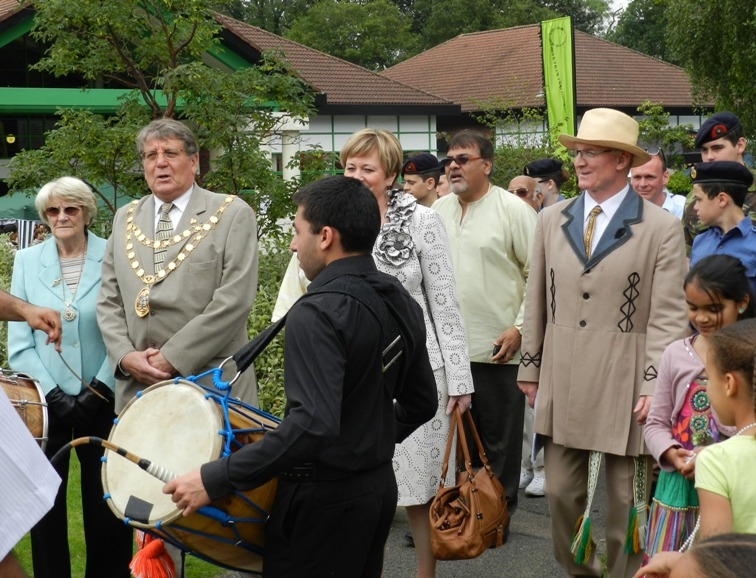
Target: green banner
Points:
(559, 74)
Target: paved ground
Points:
(527, 554)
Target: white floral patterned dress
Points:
(413, 247)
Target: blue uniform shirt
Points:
(738, 242)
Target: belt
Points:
(313, 472)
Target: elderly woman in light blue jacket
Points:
(64, 273)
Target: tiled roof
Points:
(506, 64)
(342, 82)
(10, 7)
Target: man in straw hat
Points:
(602, 302)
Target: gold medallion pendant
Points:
(142, 303)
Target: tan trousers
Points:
(566, 491)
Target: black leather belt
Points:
(313, 472)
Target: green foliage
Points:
(271, 15)
(99, 150)
(524, 142)
(372, 34)
(641, 26)
(587, 15)
(130, 43)
(656, 132)
(439, 20)
(314, 163)
(227, 119)
(274, 257)
(447, 19)
(6, 271)
(716, 44)
(679, 183)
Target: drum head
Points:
(173, 426)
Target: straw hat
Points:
(606, 127)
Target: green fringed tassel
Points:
(635, 540)
(631, 539)
(582, 541)
(637, 525)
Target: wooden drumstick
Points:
(153, 469)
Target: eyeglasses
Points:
(168, 154)
(55, 211)
(520, 192)
(587, 153)
(461, 160)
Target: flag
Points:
(559, 74)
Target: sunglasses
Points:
(520, 192)
(654, 151)
(461, 160)
(55, 211)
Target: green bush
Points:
(274, 257)
(679, 183)
(6, 270)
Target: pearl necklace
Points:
(744, 428)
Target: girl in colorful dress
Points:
(681, 421)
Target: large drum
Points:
(26, 396)
(180, 426)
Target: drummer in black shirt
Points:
(349, 399)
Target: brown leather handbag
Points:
(471, 516)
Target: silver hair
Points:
(67, 190)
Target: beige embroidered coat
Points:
(594, 331)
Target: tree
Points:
(373, 34)
(587, 15)
(522, 143)
(655, 131)
(641, 26)
(716, 44)
(271, 15)
(156, 48)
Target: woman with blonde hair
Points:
(413, 247)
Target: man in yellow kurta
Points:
(490, 231)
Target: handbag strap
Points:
(457, 423)
(474, 431)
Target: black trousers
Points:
(498, 410)
(108, 540)
(331, 528)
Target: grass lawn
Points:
(194, 568)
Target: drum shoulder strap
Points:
(360, 289)
(352, 286)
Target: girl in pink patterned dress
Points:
(681, 421)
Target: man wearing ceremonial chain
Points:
(179, 274)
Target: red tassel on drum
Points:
(151, 559)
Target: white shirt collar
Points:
(179, 206)
(608, 207)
